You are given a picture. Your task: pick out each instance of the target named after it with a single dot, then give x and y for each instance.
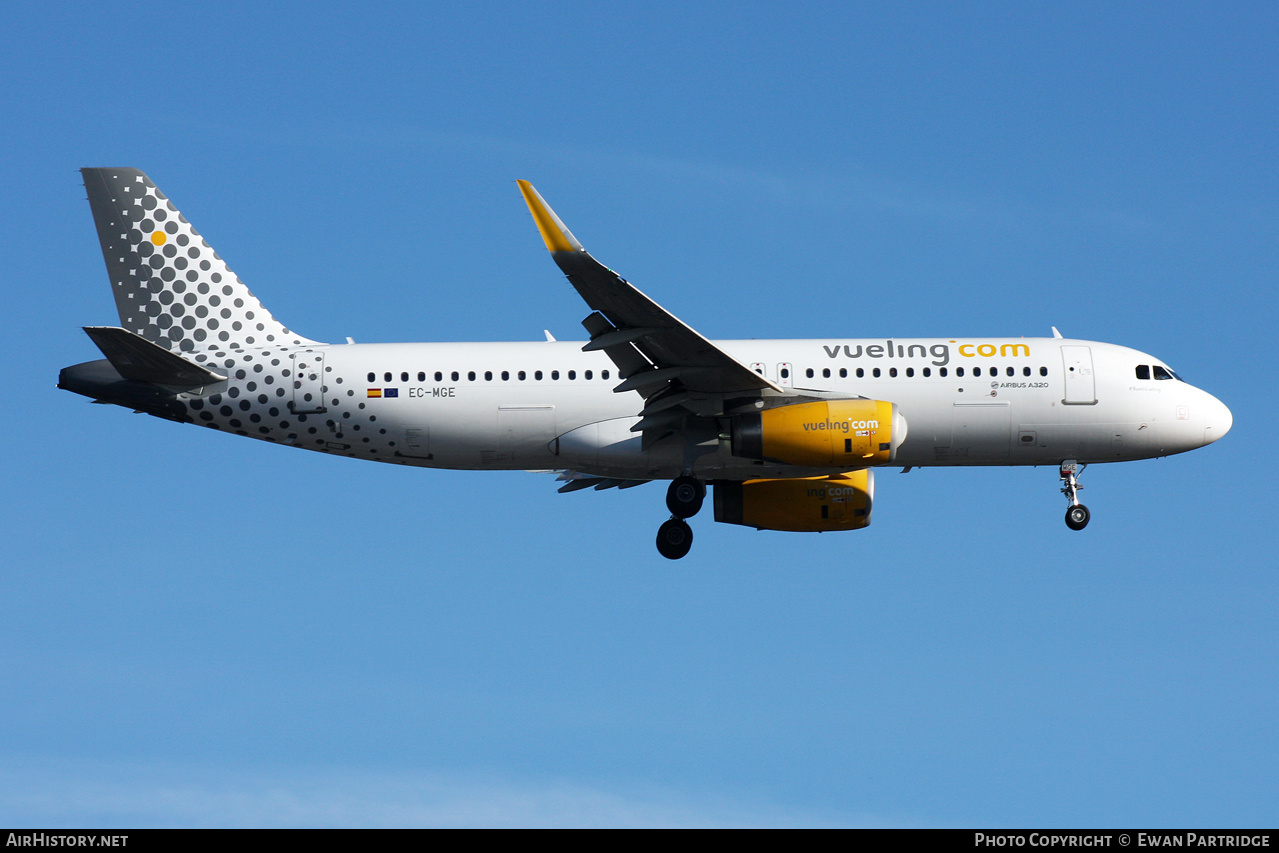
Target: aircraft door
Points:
(523, 433)
(1081, 386)
(982, 432)
(784, 374)
(308, 382)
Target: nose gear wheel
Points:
(1077, 514)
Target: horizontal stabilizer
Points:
(138, 359)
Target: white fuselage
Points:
(195, 345)
(979, 401)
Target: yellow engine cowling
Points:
(827, 434)
(804, 504)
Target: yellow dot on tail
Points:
(158, 238)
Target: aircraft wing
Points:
(652, 348)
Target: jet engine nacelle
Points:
(827, 434)
(804, 504)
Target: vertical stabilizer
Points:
(170, 286)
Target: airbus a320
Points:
(786, 433)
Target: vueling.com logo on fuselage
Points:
(939, 352)
(840, 426)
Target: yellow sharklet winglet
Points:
(557, 237)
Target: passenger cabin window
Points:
(976, 371)
(892, 371)
(470, 375)
(439, 377)
(1143, 371)
(843, 373)
(373, 377)
(910, 371)
(521, 375)
(861, 372)
(421, 376)
(537, 374)
(941, 371)
(826, 373)
(488, 376)
(875, 372)
(809, 373)
(959, 371)
(1043, 371)
(404, 376)
(587, 375)
(555, 374)
(454, 374)
(506, 376)
(387, 376)
(603, 374)
(1025, 371)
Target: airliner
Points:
(786, 433)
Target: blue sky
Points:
(201, 630)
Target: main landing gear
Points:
(1077, 514)
(684, 499)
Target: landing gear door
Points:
(1081, 386)
(308, 382)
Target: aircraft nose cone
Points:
(1218, 421)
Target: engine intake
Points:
(827, 434)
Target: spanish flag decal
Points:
(375, 392)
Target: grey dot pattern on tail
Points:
(170, 286)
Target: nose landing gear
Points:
(1077, 514)
(684, 500)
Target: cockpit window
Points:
(1143, 371)
(1163, 373)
